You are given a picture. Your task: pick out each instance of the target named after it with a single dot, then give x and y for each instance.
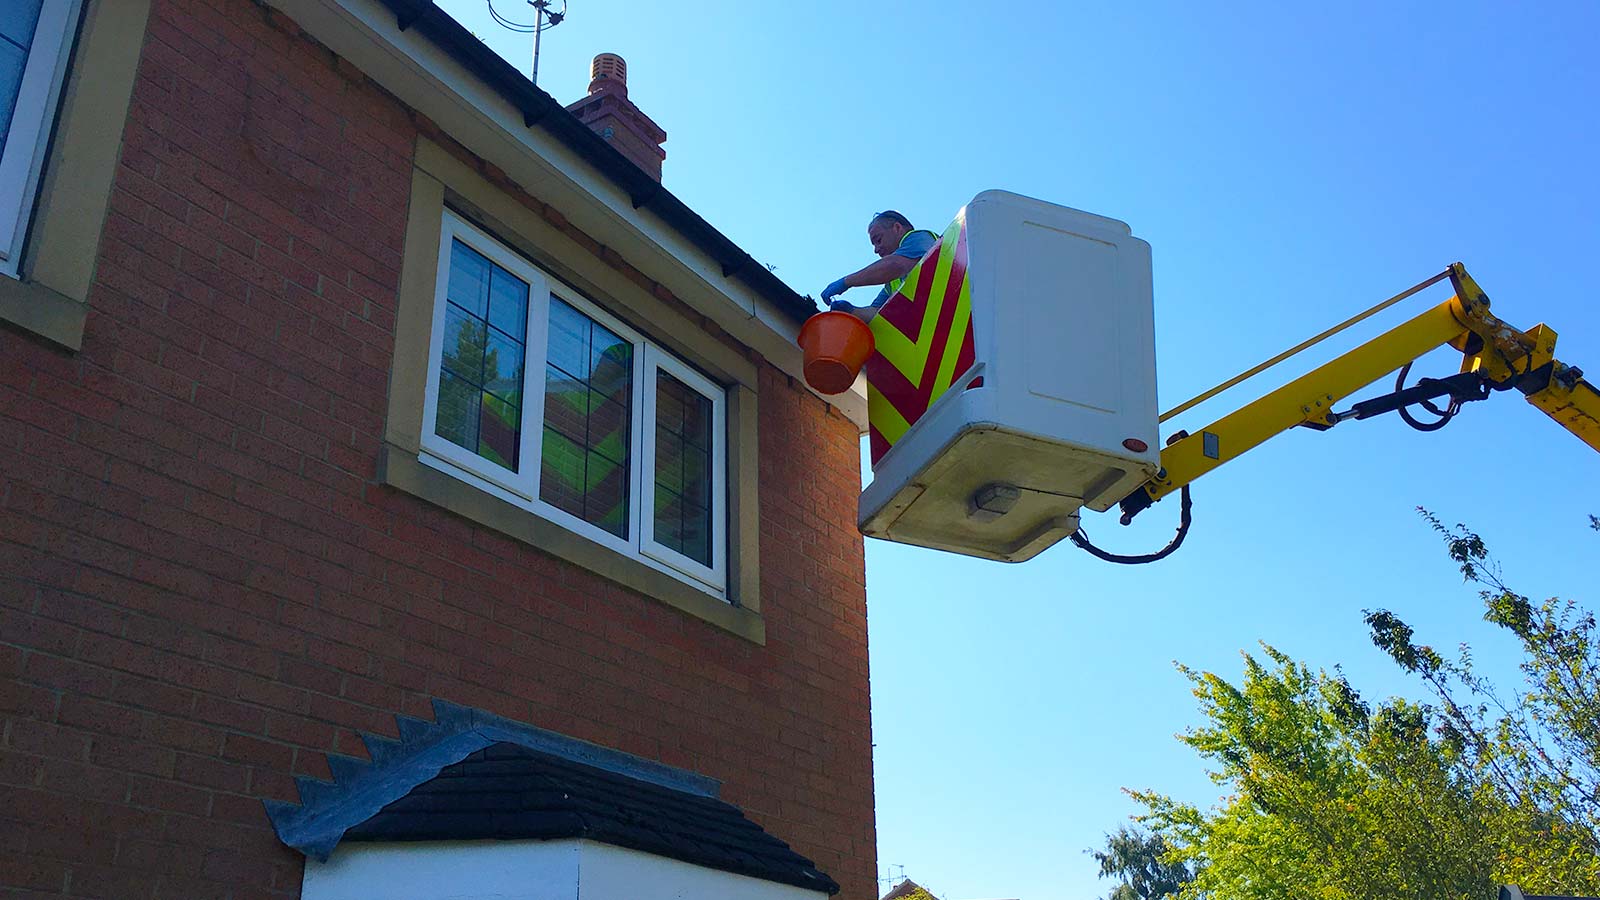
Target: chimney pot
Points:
(608, 71)
(610, 114)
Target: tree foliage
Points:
(1330, 797)
(1138, 859)
(1540, 745)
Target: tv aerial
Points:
(544, 19)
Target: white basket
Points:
(1065, 415)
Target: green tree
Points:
(1330, 797)
(1539, 746)
(1138, 859)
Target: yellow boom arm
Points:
(1495, 357)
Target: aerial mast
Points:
(544, 19)
(541, 13)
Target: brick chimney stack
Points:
(608, 111)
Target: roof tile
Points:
(507, 791)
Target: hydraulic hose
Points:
(1081, 540)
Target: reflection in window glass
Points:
(683, 469)
(588, 404)
(480, 379)
(625, 444)
(18, 18)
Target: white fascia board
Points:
(427, 79)
(523, 870)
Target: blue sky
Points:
(1290, 166)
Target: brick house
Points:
(292, 589)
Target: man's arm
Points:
(882, 271)
(905, 258)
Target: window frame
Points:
(521, 484)
(635, 423)
(523, 488)
(656, 361)
(32, 120)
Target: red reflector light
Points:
(1136, 445)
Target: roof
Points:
(540, 110)
(471, 775)
(507, 792)
(909, 890)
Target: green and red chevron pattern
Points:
(924, 341)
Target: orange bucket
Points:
(836, 345)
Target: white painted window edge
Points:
(716, 573)
(526, 483)
(23, 159)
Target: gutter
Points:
(543, 111)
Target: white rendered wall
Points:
(523, 870)
(613, 873)
(446, 870)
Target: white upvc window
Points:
(35, 36)
(544, 400)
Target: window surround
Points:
(441, 181)
(647, 361)
(46, 288)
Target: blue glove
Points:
(834, 290)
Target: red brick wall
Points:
(202, 589)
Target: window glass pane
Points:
(566, 405)
(697, 423)
(669, 410)
(457, 417)
(464, 340)
(587, 350)
(508, 303)
(502, 367)
(586, 484)
(682, 516)
(588, 407)
(12, 60)
(610, 361)
(561, 466)
(668, 527)
(469, 279)
(480, 377)
(18, 18)
(696, 476)
(669, 465)
(606, 502)
(608, 427)
(569, 339)
(697, 533)
(499, 424)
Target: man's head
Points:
(885, 231)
